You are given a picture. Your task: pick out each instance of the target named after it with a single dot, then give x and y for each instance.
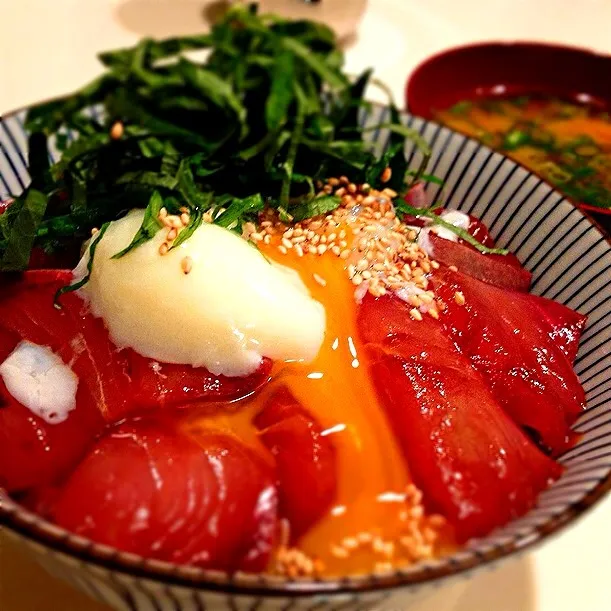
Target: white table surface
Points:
(48, 47)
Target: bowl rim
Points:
(524, 44)
(28, 525)
(35, 529)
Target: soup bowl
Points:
(503, 69)
(570, 260)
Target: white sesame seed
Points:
(186, 265)
(320, 280)
(415, 314)
(339, 552)
(390, 193)
(350, 543)
(117, 130)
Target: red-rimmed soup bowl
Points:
(570, 260)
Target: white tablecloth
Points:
(48, 47)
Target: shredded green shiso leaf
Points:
(267, 114)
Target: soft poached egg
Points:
(225, 309)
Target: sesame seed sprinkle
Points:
(380, 252)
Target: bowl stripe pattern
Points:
(571, 262)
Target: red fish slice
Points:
(146, 488)
(508, 337)
(565, 325)
(471, 462)
(500, 270)
(161, 384)
(27, 309)
(305, 461)
(34, 452)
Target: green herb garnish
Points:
(81, 283)
(461, 108)
(265, 117)
(429, 213)
(515, 138)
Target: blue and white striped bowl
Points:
(571, 262)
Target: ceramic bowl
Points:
(571, 262)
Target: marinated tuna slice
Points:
(504, 271)
(480, 232)
(472, 463)
(204, 500)
(27, 309)
(565, 325)
(305, 461)
(525, 358)
(8, 341)
(34, 452)
(160, 384)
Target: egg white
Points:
(233, 307)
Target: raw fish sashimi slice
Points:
(500, 270)
(510, 337)
(162, 385)
(472, 463)
(305, 459)
(34, 452)
(27, 309)
(504, 271)
(146, 488)
(565, 325)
